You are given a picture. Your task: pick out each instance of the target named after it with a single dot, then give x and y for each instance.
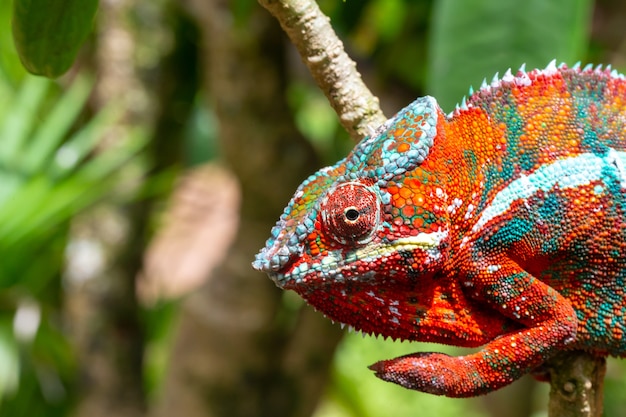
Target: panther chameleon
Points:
(499, 226)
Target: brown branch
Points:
(576, 384)
(335, 73)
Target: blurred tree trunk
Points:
(107, 244)
(239, 350)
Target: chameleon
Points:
(499, 226)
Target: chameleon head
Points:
(367, 231)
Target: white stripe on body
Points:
(566, 173)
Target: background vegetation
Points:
(135, 190)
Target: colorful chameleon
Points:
(501, 225)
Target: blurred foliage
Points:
(356, 392)
(48, 173)
(473, 39)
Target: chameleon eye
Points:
(351, 213)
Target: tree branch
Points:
(576, 384)
(335, 73)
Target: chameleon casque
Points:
(500, 225)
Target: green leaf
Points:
(47, 176)
(9, 359)
(49, 33)
(110, 160)
(42, 204)
(84, 141)
(473, 39)
(54, 128)
(20, 119)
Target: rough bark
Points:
(239, 348)
(333, 70)
(576, 384)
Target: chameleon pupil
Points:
(352, 214)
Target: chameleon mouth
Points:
(364, 264)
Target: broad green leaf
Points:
(11, 70)
(49, 33)
(474, 39)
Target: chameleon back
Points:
(550, 186)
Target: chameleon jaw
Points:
(383, 276)
(340, 265)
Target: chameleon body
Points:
(500, 225)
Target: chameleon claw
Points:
(433, 373)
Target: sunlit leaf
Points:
(22, 116)
(54, 128)
(53, 178)
(83, 142)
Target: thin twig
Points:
(335, 73)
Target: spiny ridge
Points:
(523, 78)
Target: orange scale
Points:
(399, 132)
(418, 222)
(408, 211)
(403, 147)
(405, 192)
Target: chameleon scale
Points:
(500, 225)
